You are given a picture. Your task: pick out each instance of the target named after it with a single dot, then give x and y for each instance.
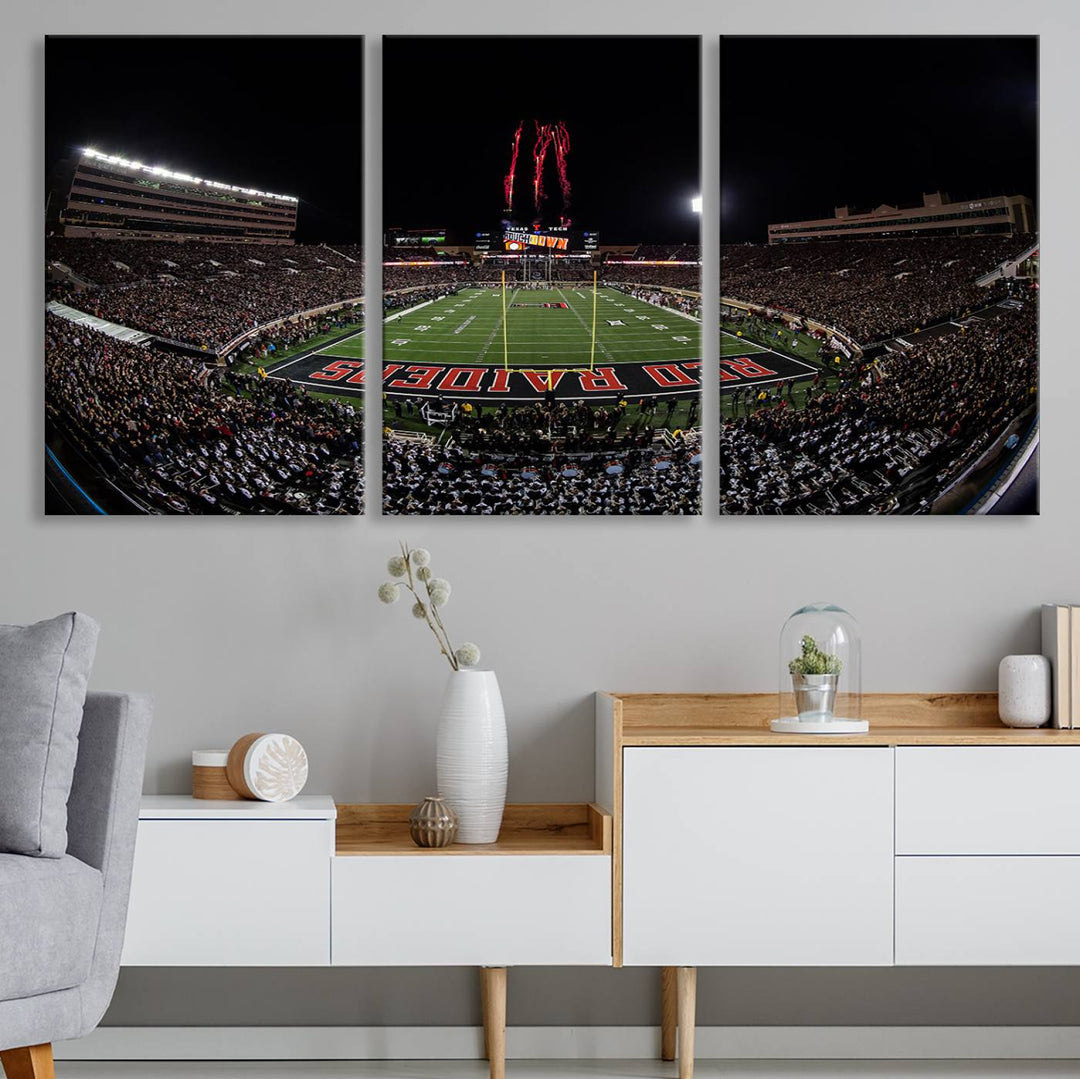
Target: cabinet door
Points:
(986, 911)
(758, 856)
(988, 800)
(472, 910)
(230, 893)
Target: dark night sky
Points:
(910, 115)
(631, 106)
(274, 113)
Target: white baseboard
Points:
(565, 1043)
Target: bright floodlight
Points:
(695, 204)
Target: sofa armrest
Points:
(103, 808)
(103, 816)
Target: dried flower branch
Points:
(413, 570)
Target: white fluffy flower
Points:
(389, 592)
(424, 573)
(439, 586)
(418, 610)
(396, 566)
(439, 596)
(420, 557)
(468, 655)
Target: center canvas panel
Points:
(541, 276)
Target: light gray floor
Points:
(574, 1069)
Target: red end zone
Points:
(489, 383)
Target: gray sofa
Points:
(62, 919)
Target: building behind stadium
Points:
(104, 195)
(936, 215)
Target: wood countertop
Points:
(896, 719)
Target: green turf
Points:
(804, 348)
(467, 328)
(324, 341)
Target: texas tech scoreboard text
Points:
(522, 240)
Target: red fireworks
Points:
(548, 136)
(508, 179)
(560, 139)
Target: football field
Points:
(544, 329)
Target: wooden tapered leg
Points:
(687, 981)
(493, 995)
(32, 1062)
(669, 997)
(484, 1012)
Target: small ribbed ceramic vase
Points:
(432, 823)
(470, 754)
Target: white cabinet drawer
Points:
(988, 800)
(757, 856)
(472, 910)
(984, 911)
(230, 893)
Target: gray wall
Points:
(252, 624)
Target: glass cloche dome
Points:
(820, 673)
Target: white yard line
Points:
(588, 333)
(502, 315)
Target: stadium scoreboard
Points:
(552, 239)
(415, 237)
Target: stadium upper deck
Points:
(935, 216)
(110, 196)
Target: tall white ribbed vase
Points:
(470, 754)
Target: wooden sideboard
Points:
(938, 838)
(310, 883)
(924, 842)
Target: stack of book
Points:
(1061, 645)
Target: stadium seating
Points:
(200, 294)
(869, 290)
(890, 437)
(179, 436)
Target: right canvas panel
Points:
(879, 275)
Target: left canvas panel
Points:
(202, 241)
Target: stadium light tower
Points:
(695, 204)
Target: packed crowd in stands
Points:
(684, 277)
(182, 436)
(403, 276)
(398, 275)
(422, 477)
(263, 347)
(889, 440)
(669, 252)
(688, 305)
(197, 293)
(868, 289)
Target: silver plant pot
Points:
(815, 695)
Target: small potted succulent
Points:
(814, 677)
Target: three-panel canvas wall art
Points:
(544, 333)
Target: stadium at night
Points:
(542, 346)
(172, 297)
(901, 323)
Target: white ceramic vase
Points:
(470, 754)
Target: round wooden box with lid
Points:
(209, 778)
